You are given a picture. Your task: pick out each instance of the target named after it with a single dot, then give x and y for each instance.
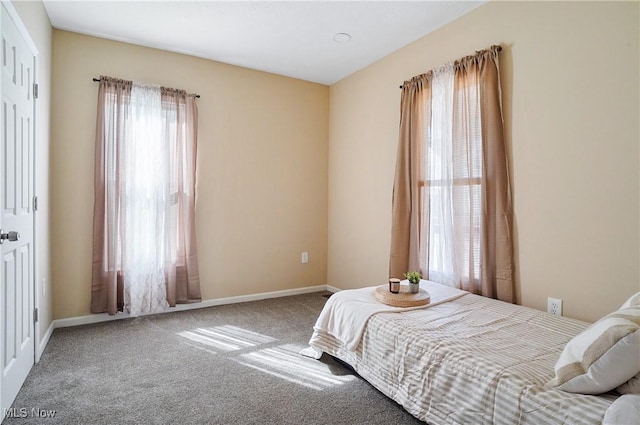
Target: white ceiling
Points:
(292, 38)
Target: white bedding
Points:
(347, 312)
(471, 360)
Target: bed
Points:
(464, 359)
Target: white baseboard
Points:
(44, 341)
(333, 289)
(104, 317)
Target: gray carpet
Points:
(233, 364)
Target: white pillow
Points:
(624, 410)
(602, 357)
(633, 301)
(632, 386)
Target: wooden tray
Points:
(402, 299)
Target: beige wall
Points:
(262, 168)
(570, 78)
(35, 19)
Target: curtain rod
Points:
(499, 48)
(97, 80)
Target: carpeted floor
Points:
(233, 364)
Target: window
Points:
(451, 216)
(451, 185)
(144, 225)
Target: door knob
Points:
(11, 236)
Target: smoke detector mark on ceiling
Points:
(342, 37)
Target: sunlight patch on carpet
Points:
(226, 338)
(284, 362)
(281, 361)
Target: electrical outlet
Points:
(305, 258)
(554, 306)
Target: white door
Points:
(17, 340)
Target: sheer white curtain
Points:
(144, 203)
(438, 164)
(452, 191)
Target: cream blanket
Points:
(474, 360)
(346, 313)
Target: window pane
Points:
(452, 192)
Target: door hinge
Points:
(35, 316)
(35, 203)
(35, 90)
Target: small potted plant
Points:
(414, 281)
